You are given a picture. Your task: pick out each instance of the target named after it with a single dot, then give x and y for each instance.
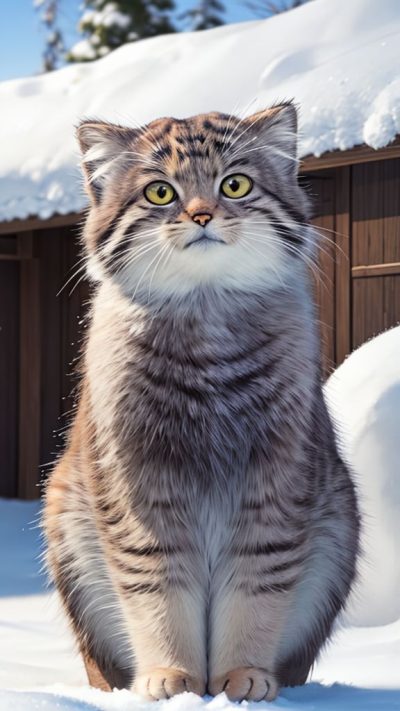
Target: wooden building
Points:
(357, 203)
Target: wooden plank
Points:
(376, 213)
(391, 301)
(375, 246)
(321, 187)
(9, 349)
(74, 306)
(35, 223)
(371, 270)
(49, 250)
(8, 245)
(376, 304)
(342, 266)
(29, 380)
(359, 154)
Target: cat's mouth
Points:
(204, 239)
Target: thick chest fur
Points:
(189, 396)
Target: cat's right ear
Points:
(102, 146)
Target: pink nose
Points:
(202, 218)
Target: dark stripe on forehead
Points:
(156, 169)
(194, 153)
(221, 145)
(237, 161)
(197, 137)
(164, 151)
(209, 126)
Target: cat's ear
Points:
(276, 129)
(102, 146)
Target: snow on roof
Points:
(338, 60)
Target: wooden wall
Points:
(357, 288)
(357, 209)
(40, 329)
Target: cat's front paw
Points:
(162, 683)
(245, 683)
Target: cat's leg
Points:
(165, 608)
(325, 583)
(247, 615)
(280, 599)
(163, 596)
(252, 590)
(78, 567)
(167, 626)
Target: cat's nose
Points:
(202, 218)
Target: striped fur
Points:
(202, 529)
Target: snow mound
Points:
(363, 397)
(339, 61)
(308, 698)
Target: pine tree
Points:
(265, 8)
(107, 24)
(54, 50)
(205, 15)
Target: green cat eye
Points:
(236, 186)
(160, 193)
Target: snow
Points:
(363, 396)
(338, 60)
(359, 670)
(83, 49)
(109, 16)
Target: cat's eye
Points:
(236, 186)
(160, 193)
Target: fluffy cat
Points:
(202, 529)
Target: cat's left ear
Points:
(276, 128)
(103, 147)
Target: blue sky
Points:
(22, 35)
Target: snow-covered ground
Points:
(338, 59)
(359, 671)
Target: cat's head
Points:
(209, 200)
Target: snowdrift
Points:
(338, 60)
(363, 397)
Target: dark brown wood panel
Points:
(49, 251)
(322, 191)
(343, 320)
(376, 213)
(29, 380)
(391, 301)
(63, 297)
(9, 362)
(376, 306)
(74, 298)
(375, 248)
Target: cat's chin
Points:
(214, 265)
(204, 241)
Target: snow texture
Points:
(363, 397)
(359, 670)
(338, 60)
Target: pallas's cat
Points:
(202, 529)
